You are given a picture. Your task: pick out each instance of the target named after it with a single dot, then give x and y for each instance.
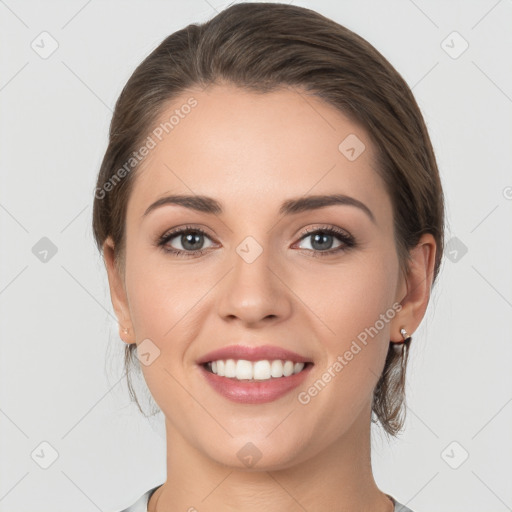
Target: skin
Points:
(251, 152)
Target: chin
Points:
(257, 453)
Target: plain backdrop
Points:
(63, 401)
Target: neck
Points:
(338, 477)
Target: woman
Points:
(271, 218)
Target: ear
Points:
(118, 293)
(414, 291)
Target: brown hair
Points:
(261, 47)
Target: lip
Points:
(269, 352)
(251, 391)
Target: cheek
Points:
(162, 301)
(350, 298)
(355, 302)
(164, 308)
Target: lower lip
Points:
(254, 392)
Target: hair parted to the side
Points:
(261, 47)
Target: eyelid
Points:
(324, 227)
(187, 227)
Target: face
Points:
(320, 280)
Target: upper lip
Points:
(247, 353)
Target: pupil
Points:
(322, 238)
(190, 239)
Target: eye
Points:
(189, 241)
(321, 241)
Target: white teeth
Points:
(288, 368)
(242, 369)
(261, 370)
(276, 369)
(230, 368)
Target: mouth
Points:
(254, 374)
(254, 382)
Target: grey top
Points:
(141, 505)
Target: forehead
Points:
(251, 149)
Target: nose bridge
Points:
(253, 290)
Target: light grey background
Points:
(61, 359)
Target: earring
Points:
(125, 330)
(405, 335)
(406, 338)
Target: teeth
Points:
(288, 368)
(260, 370)
(242, 369)
(230, 368)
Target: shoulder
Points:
(141, 505)
(398, 506)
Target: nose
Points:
(254, 292)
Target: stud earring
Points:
(405, 335)
(125, 330)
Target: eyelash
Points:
(348, 241)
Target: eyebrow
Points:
(207, 204)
